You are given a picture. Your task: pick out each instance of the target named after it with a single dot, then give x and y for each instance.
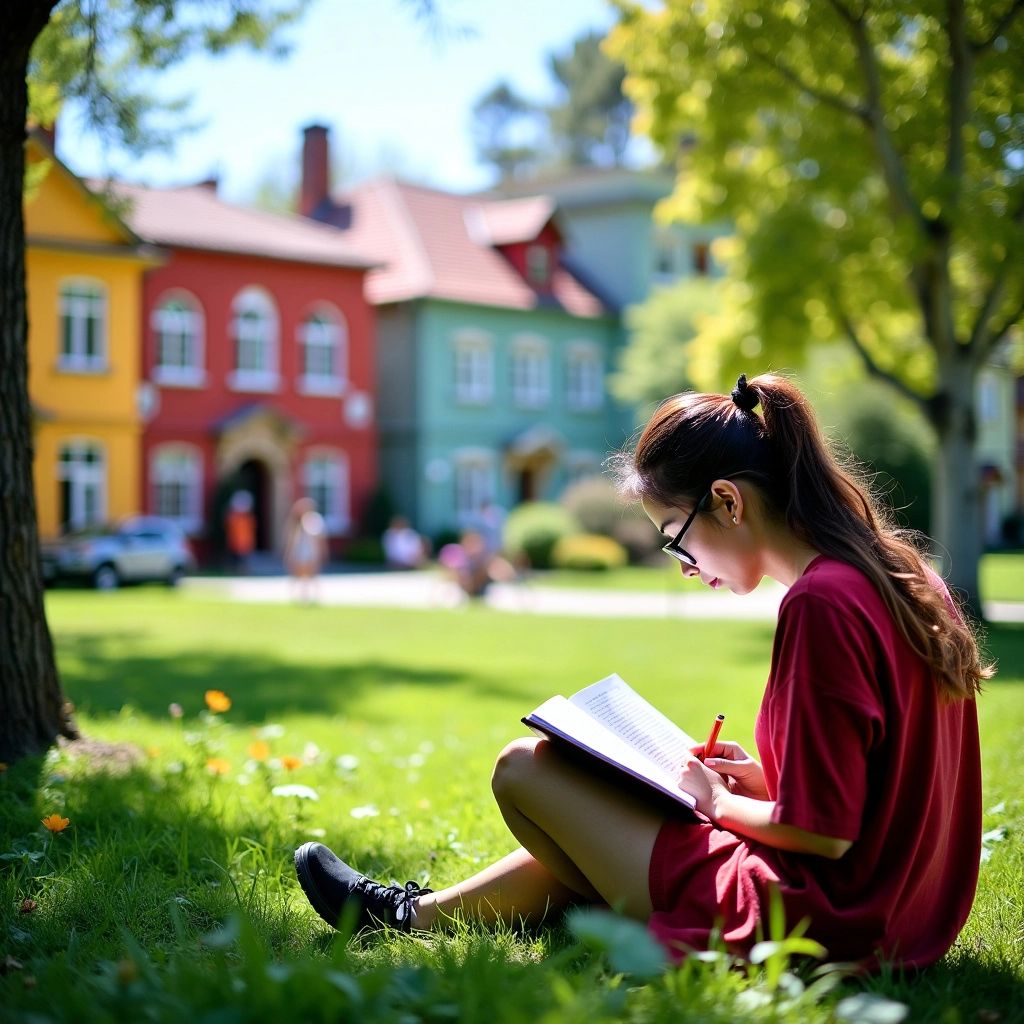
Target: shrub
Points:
(595, 503)
(599, 507)
(534, 528)
(893, 445)
(589, 551)
(364, 551)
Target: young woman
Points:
(863, 810)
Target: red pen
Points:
(716, 728)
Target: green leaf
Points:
(628, 946)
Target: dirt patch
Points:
(98, 756)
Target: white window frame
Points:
(325, 479)
(82, 300)
(584, 376)
(178, 319)
(531, 372)
(85, 477)
(473, 367)
(255, 332)
(180, 466)
(474, 480)
(323, 330)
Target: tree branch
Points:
(997, 335)
(827, 98)
(960, 73)
(893, 171)
(979, 344)
(868, 359)
(1001, 26)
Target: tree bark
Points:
(956, 513)
(33, 712)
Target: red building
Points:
(258, 366)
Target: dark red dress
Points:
(856, 743)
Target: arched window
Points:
(83, 326)
(82, 478)
(323, 353)
(176, 480)
(325, 480)
(474, 368)
(584, 377)
(179, 335)
(254, 330)
(531, 372)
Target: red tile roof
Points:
(441, 245)
(194, 217)
(505, 222)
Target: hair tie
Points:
(744, 395)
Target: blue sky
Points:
(394, 97)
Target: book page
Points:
(619, 708)
(563, 718)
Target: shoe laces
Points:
(394, 898)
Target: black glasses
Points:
(672, 547)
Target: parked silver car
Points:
(136, 549)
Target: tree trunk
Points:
(32, 707)
(956, 511)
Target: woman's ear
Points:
(729, 500)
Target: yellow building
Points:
(84, 270)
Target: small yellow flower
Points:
(55, 823)
(217, 701)
(153, 751)
(259, 750)
(218, 766)
(290, 762)
(3, 767)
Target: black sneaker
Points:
(331, 885)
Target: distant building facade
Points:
(613, 238)
(257, 365)
(491, 353)
(84, 274)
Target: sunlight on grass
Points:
(257, 727)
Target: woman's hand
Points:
(743, 774)
(702, 784)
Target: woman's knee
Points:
(515, 766)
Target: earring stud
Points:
(735, 521)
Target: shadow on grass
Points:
(1005, 643)
(102, 681)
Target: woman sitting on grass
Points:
(864, 809)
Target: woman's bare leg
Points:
(584, 840)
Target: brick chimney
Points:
(315, 168)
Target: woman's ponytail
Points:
(693, 439)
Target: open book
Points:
(609, 720)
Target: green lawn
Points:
(1002, 578)
(171, 894)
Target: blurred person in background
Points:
(404, 548)
(305, 548)
(240, 530)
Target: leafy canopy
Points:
(92, 51)
(855, 158)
